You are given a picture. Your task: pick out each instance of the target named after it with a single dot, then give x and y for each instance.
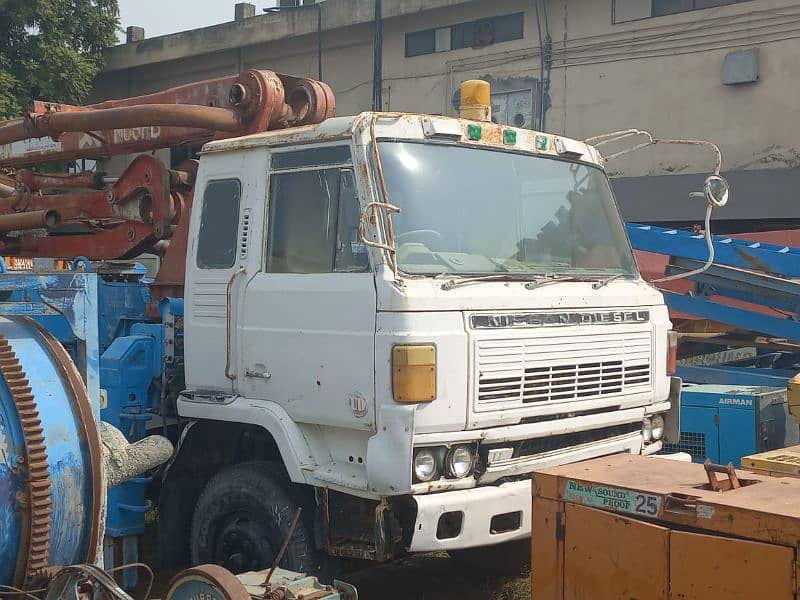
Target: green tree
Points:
(52, 49)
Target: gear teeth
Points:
(40, 504)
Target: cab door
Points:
(308, 319)
(225, 228)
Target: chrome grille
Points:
(513, 372)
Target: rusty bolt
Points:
(110, 197)
(131, 234)
(147, 176)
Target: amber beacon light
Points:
(476, 100)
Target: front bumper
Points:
(478, 506)
(509, 502)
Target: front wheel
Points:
(242, 518)
(510, 558)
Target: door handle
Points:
(257, 374)
(228, 318)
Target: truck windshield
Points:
(468, 211)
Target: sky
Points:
(160, 17)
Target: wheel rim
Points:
(242, 544)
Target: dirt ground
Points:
(434, 577)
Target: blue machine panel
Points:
(725, 422)
(738, 434)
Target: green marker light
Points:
(474, 132)
(542, 143)
(509, 136)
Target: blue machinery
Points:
(49, 450)
(737, 408)
(51, 401)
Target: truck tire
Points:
(510, 558)
(242, 519)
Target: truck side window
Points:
(219, 224)
(313, 223)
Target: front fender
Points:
(295, 452)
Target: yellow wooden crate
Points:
(778, 463)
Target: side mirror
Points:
(717, 191)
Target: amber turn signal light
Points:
(414, 373)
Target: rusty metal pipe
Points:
(148, 115)
(14, 131)
(49, 181)
(37, 219)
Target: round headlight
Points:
(647, 430)
(425, 465)
(459, 462)
(658, 427)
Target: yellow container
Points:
(627, 526)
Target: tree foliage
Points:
(52, 49)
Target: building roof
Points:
(261, 29)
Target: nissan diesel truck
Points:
(401, 317)
(390, 320)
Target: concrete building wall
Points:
(663, 74)
(427, 83)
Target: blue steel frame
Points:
(731, 375)
(758, 256)
(726, 278)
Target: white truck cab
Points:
(395, 319)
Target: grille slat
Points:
(553, 353)
(514, 373)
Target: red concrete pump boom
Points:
(147, 208)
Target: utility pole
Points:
(377, 73)
(319, 41)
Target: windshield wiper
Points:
(533, 281)
(454, 283)
(550, 279)
(604, 282)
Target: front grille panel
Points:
(518, 372)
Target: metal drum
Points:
(50, 457)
